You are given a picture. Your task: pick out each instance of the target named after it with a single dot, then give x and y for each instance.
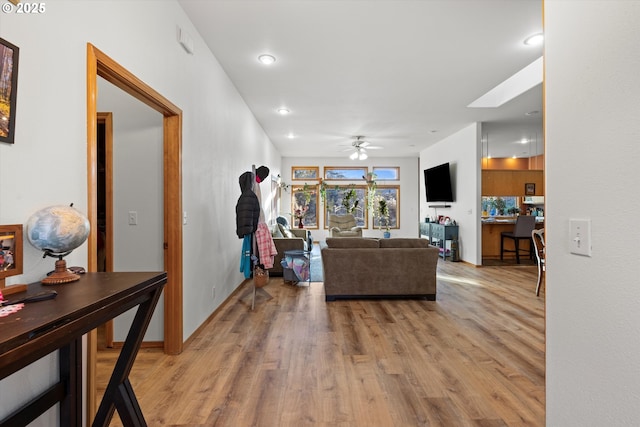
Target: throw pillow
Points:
(276, 231)
(288, 234)
(283, 230)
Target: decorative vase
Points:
(300, 224)
(387, 234)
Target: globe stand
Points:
(61, 274)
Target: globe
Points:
(58, 230)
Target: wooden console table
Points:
(59, 324)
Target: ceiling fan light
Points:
(354, 155)
(362, 156)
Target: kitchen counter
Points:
(506, 220)
(491, 229)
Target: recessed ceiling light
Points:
(534, 40)
(283, 111)
(267, 59)
(290, 135)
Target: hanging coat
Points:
(248, 207)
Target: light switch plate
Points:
(580, 236)
(133, 218)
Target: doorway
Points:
(101, 65)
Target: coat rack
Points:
(254, 259)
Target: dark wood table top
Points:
(42, 327)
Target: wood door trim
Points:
(99, 64)
(107, 119)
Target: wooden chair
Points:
(525, 224)
(539, 246)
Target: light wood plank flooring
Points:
(474, 357)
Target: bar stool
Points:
(521, 231)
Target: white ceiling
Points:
(399, 72)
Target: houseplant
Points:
(370, 178)
(350, 200)
(382, 212)
(499, 204)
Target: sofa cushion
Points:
(351, 242)
(400, 242)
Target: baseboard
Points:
(145, 344)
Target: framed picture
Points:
(10, 251)
(344, 173)
(301, 173)
(304, 206)
(335, 202)
(530, 189)
(391, 193)
(391, 173)
(8, 90)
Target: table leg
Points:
(70, 368)
(119, 393)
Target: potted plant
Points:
(370, 178)
(499, 204)
(513, 211)
(350, 200)
(383, 216)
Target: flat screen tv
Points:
(437, 182)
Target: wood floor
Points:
(473, 357)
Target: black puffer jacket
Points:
(248, 207)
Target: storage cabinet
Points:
(438, 235)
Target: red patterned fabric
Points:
(266, 248)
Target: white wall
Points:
(137, 187)
(592, 133)
(462, 151)
(47, 164)
(408, 190)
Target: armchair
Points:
(343, 226)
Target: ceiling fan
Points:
(360, 147)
